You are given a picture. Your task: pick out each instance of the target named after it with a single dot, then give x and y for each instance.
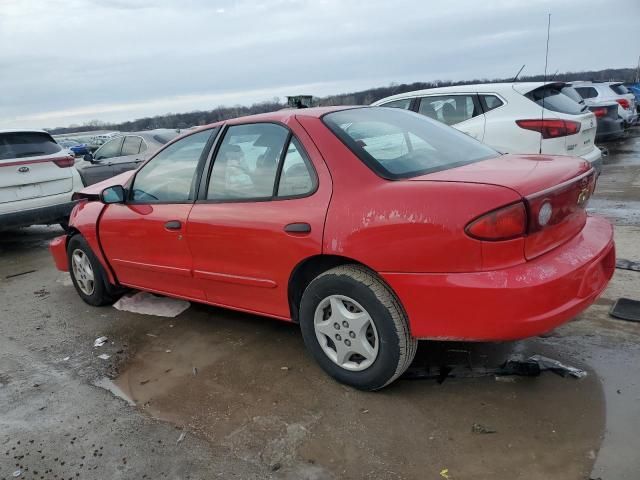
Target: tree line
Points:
(362, 97)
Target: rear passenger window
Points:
(110, 149)
(297, 176)
(404, 103)
(26, 144)
(131, 146)
(489, 102)
(448, 109)
(587, 92)
(246, 164)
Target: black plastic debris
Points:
(626, 309)
(625, 264)
(516, 365)
(482, 429)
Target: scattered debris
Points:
(17, 473)
(483, 429)
(276, 466)
(104, 356)
(13, 275)
(65, 359)
(516, 365)
(144, 382)
(364, 410)
(167, 351)
(505, 379)
(626, 309)
(181, 437)
(42, 293)
(152, 335)
(171, 326)
(100, 341)
(444, 473)
(625, 264)
(284, 368)
(195, 371)
(149, 304)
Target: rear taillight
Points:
(64, 162)
(599, 112)
(553, 206)
(502, 224)
(624, 103)
(550, 128)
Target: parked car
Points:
(509, 117)
(37, 180)
(76, 147)
(610, 91)
(371, 227)
(609, 124)
(121, 154)
(635, 89)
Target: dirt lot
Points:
(217, 394)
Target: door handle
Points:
(173, 225)
(298, 228)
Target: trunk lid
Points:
(554, 189)
(583, 142)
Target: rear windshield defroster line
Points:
(399, 144)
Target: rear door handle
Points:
(173, 225)
(298, 228)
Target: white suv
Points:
(37, 180)
(510, 117)
(610, 91)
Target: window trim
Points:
(199, 168)
(205, 180)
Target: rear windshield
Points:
(619, 89)
(397, 144)
(552, 98)
(26, 144)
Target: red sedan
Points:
(371, 227)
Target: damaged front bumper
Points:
(511, 303)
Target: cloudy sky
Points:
(70, 61)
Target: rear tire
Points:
(355, 328)
(87, 274)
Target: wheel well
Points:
(306, 271)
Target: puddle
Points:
(108, 385)
(224, 380)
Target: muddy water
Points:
(246, 383)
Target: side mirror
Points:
(88, 157)
(114, 194)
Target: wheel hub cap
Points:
(346, 332)
(82, 271)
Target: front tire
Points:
(87, 274)
(355, 328)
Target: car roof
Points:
(18, 130)
(522, 87)
(279, 115)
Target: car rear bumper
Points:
(45, 215)
(511, 303)
(58, 249)
(609, 129)
(594, 157)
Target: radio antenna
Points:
(517, 74)
(544, 83)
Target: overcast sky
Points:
(70, 61)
